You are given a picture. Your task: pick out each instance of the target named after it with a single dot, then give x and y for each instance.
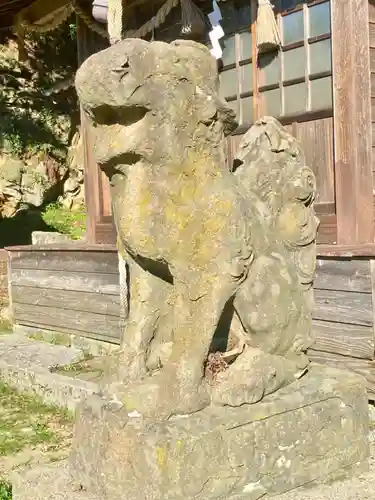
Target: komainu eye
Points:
(122, 70)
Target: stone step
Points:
(26, 364)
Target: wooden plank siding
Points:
(316, 138)
(343, 315)
(363, 367)
(372, 84)
(352, 121)
(343, 318)
(67, 291)
(76, 292)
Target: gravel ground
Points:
(50, 482)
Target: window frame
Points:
(258, 88)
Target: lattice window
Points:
(293, 81)
(236, 75)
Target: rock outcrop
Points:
(39, 158)
(73, 189)
(34, 182)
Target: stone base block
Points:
(46, 482)
(303, 433)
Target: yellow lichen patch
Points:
(179, 445)
(288, 224)
(144, 203)
(259, 416)
(195, 214)
(176, 216)
(188, 220)
(129, 403)
(161, 456)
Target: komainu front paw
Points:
(158, 397)
(254, 375)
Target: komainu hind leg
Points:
(271, 309)
(252, 376)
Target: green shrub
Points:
(5, 491)
(33, 116)
(65, 221)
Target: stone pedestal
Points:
(308, 431)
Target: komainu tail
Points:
(270, 165)
(271, 170)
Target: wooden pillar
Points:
(91, 171)
(352, 121)
(91, 181)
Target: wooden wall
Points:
(317, 140)
(343, 319)
(75, 290)
(352, 121)
(372, 71)
(4, 297)
(72, 290)
(338, 145)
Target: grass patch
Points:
(78, 367)
(17, 230)
(88, 368)
(5, 327)
(65, 221)
(5, 491)
(26, 421)
(53, 338)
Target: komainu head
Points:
(153, 99)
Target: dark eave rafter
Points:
(32, 10)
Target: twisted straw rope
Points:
(74, 6)
(88, 20)
(155, 22)
(62, 15)
(114, 20)
(124, 306)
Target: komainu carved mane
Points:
(273, 306)
(209, 251)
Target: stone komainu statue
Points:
(219, 259)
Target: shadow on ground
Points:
(17, 230)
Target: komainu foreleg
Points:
(179, 387)
(148, 296)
